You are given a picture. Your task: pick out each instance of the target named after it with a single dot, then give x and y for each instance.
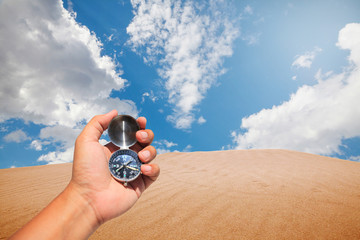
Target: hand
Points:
(93, 196)
(92, 179)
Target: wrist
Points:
(79, 212)
(68, 216)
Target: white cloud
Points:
(169, 144)
(37, 145)
(57, 156)
(103, 141)
(349, 39)
(70, 6)
(149, 95)
(16, 136)
(61, 134)
(64, 137)
(306, 59)
(52, 71)
(189, 41)
(3, 129)
(259, 21)
(165, 143)
(201, 120)
(164, 146)
(251, 39)
(316, 118)
(162, 150)
(354, 158)
(187, 148)
(248, 10)
(110, 38)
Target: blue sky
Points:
(208, 75)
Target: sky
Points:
(208, 75)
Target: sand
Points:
(244, 194)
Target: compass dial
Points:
(125, 165)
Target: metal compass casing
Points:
(124, 164)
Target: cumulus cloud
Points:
(3, 129)
(57, 156)
(37, 145)
(187, 148)
(349, 39)
(165, 143)
(162, 150)
(164, 146)
(251, 39)
(52, 71)
(248, 10)
(354, 158)
(305, 60)
(149, 95)
(60, 134)
(189, 41)
(16, 136)
(316, 118)
(201, 120)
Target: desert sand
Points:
(240, 194)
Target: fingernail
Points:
(144, 135)
(145, 154)
(146, 168)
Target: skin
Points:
(93, 196)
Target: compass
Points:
(124, 164)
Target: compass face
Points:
(125, 165)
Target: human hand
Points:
(93, 196)
(91, 176)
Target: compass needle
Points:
(135, 169)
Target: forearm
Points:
(68, 216)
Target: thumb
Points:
(97, 125)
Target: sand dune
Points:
(245, 194)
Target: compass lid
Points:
(122, 130)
